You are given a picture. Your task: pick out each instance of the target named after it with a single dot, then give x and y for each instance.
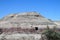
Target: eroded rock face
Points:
(21, 37)
(25, 20)
(24, 26)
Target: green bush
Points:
(51, 34)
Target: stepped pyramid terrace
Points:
(28, 25)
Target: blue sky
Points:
(48, 8)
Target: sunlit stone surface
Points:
(24, 26)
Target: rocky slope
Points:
(24, 26)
